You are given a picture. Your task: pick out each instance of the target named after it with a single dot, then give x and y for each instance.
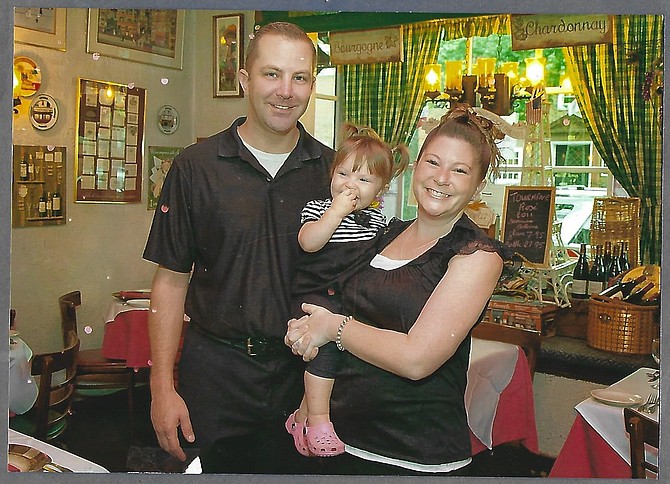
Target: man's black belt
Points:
(251, 346)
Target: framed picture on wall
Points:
(110, 132)
(44, 27)
(150, 36)
(228, 47)
(159, 162)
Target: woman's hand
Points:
(316, 328)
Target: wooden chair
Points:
(94, 371)
(642, 430)
(528, 341)
(48, 418)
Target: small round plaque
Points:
(168, 119)
(43, 112)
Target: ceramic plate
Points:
(138, 303)
(614, 397)
(22, 458)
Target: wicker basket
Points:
(617, 219)
(620, 327)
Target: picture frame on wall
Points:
(149, 36)
(110, 132)
(228, 54)
(43, 27)
(159, 162)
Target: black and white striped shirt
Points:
(360, 225)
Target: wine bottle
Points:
(652, 297)
(597, 274)
(42, 205)
(614, 268)
(638, 293)
(31, 168)
(56, 203)
(49, 205)
(607, 255)
(580, 276)
(622, 289)
(23, 169)
(624, 263)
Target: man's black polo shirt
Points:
(221, 214)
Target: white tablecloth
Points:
(118, 306)
(491, 368)
(608, 420)
(58, 456)
(22, 387)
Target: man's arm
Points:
(166, 319)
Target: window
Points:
(575, 166)
(325, 102)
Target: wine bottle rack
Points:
(38, 172)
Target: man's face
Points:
(278, 83)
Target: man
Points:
(224, 236)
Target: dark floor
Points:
(99, 431)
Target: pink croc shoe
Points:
(322, 440)
(297, 430)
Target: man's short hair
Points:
(284, 29)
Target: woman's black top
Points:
(374, 410)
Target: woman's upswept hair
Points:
(463, 123)
(368, 148)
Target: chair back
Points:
(528, 341)
(54, 398)
(642, 430)
(68, 312)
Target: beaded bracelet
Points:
(340, 328)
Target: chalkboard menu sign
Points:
(527, 221)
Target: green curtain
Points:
(388, 97)
(611, 86)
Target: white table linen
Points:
(58, 456)
(608, 420)
(118, 306)
(22, 387)
(492, 365)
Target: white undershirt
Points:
(272, 162)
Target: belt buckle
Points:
(250, 348)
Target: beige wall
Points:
(99, 249)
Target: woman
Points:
(398, 402)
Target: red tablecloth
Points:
(515, 415)
(586, 454)
(127, 338)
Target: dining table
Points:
(28, 454)
(498, 398)
(598, 445)
(126, 335)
